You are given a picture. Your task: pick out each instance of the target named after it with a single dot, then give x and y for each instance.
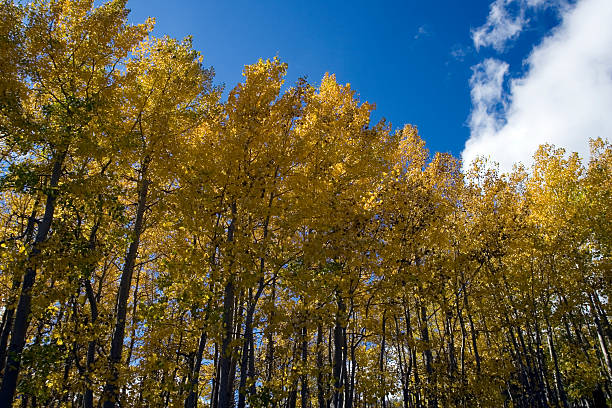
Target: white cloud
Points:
(506, 20)
(564, 98)
(487, 96)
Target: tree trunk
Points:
(428, 356)
(381, 360)
(192, 397)
(553, 357)
(88, 401)
(305, 394)
(225, 357)
(9, 311)
(111, 389)
(320, 387)
(339, 350)
(22, 315)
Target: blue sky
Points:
(413, 59)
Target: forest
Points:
(163, 246)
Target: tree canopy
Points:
(162, 247)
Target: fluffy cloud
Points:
(564, 98)
(487, 96)
(502, 24)
(506, 20)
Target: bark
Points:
(225, 357)
(350, 395)
(9, 312)
(111, 389)
(128, 360)
(553, 356)
(238, 308)
(305, 393)
(601, 338)
(88, 401)
(7, 325)
(270, 336)
(320, 386)
(381, 360)
(247, 349)
(215, 386)
(473, 332)
(428, 356)
(292, 397)
(542, 363)
(404, 380)
(22, 314)
(339, 350)
(192, 397)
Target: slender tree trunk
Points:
(192, 397)
(339, 347)
(351, 388)
(305, 393)
(553, 357)
(292, 397)
(404, 380)
(9, 311)
(225, 357)
(7, 325)
(128, 359)
(246, 371)
(320, 387)
(542, 363)
(214, 399)
(88, 401)
(251, 375)
(238, 308)
(246, 349)
(601, 338)
(381, 360)
(111, 389)
(22, 314)
(428, 356)
(452, 358)
(270, 335)
(598, 307)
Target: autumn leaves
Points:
(163, 248)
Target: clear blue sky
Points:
(412, 59)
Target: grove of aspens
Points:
(164, 246)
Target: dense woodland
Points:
(162, 247)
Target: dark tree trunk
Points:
(381, 360)
(9, 312)
(339, 351)
(111, 389)
(88, 401)
(194, 377)
(22, 314)
(553, 356)
(428, 356)
(215, 386)
(225, 355)
(247, 363)
(305, 393)
(320, 386)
